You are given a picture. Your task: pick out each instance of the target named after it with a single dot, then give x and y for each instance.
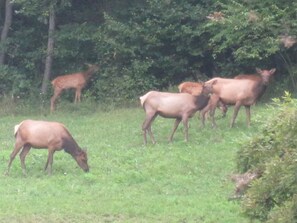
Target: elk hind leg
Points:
(147, 128)
(18, 146)
(23, 155)
(57, 92)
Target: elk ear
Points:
(272, 71)
(89, 65)
(259, 71)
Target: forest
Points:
(143, 44)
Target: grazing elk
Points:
(77, 81)
(195, 88)
(180, 106)
(42, 134)
(239, 92)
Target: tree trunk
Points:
(50, 50)
(7, 24)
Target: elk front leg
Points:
(176, 123)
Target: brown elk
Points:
(195, 88)
(77, 81)
(243, 181)
(239, 92)
(42, 134)
(254, 77)
(180, 106)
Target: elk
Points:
(76, 80)
(42, 134)
(254, 77)
(243, 181)
(195, 88)
(180, 106)
(239, 92)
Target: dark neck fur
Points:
(70, 146)
(201, 101)
(260, 89)
(87, 74)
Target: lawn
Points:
(127, 182)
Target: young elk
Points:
(51, 135)
(239, 92)
(243, 181)
(77, 81)
(180, 106)
(195, 88)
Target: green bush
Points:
(287, 213)
(274, 154)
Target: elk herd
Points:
(242, 90)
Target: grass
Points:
(127, 182)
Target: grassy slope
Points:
(178, 182)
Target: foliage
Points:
(150, 44)
(274, 154)
(248, 32)
(12, 82)
(285, 213)
(153, 48)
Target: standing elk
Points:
(239, 92)
(42, 134)
(195, 88)
(77, 81)
(180, 106)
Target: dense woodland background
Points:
(143, 44)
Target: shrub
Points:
(274, 154)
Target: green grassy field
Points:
(127, 182)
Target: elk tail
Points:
(143, 99)
(16, 128)
(53, 82)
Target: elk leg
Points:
(57, 92)
(176, 123)
(77, 95)
(212, 104)
(146, 127)
(248, 115)
(223, 108)
(186, 129)
(149, 130)
(23, 155)
(236, 109)
(49, 161)
(17, 148)
(203, 113)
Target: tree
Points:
(246, 34)
(156, 45)
(50, 50)
(5, 30)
